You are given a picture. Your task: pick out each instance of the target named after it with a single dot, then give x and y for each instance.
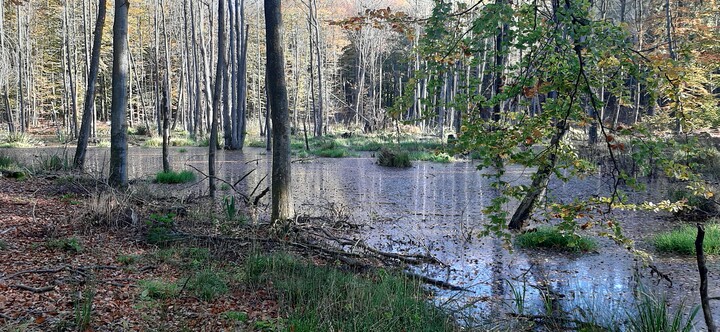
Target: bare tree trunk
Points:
(21, 89)
(219, 70)
(118, 129)
(89, 107)
(321, 94)
(702, 268)
(209, 98)
(69, 71)
(282, 205)
(166, 128)
(198, 125)
(242, 93)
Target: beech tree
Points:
(282, 205)
(89, 108)
(118, 127)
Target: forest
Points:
(359, 165)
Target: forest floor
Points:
(58, 272)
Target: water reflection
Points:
(433, 208)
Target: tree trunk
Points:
(702, 268)
(321, 95)
(118, 129)
(166, 129)
(219, 70)
(282, 206)
(89, 107)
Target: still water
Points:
(437, 209)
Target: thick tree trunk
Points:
(282, 206)
(219, 70)
(89, 107)
(118, 129)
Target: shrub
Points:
(175, 177)
(394, 159)
(141, 130)
(699, 207)
(682, 240)
(553, 238)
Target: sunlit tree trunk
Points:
(89, 107)
(282, 206)
(118, 129)
(219, 70)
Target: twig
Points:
(259, 196)
(8, 230)
(434, 282)
(33, 289)
(655, 270)
(552, 318)
(56, 270)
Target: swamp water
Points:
(437, 209)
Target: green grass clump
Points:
(432, 157)
(17, 140)
(389, 158)
(332, 153)
(324, 299)
(70, 245)
(175, 177)
(553, 238)
(654, 314)
(208, 284)
(126, 259)
(158, 289)
(7, 162)
(682, 240)
(256, 143)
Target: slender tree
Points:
(118, 127)
(89, 107)
(277, 91)
(217, 94)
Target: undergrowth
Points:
(682, 240)
(324, 299)
(175, 177)
(553, 238)
(389, 158)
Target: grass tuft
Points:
(654, 314)
(389, 158)
(70, 245)
(553, 238)
(208, 284)
(175, 177)
(682, 240)
(324, 299)
(158, 289)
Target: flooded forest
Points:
(359, 165)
